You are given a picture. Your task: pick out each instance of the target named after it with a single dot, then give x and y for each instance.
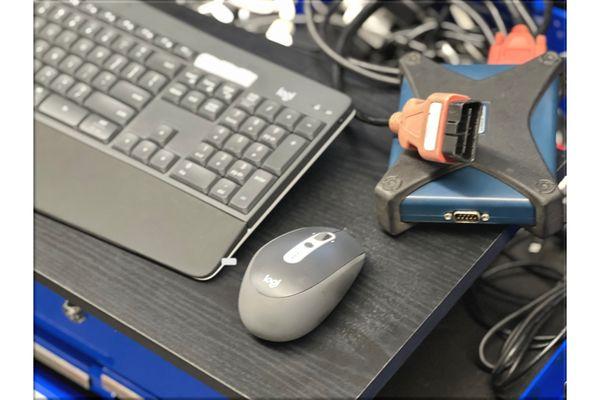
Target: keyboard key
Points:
(70, 64)
(90, 28)
(46, 75)
(288, 118)
(194, 175)
(268, 109)
(211, 109)
(227, 92)
(125, 142)
(66, 39)
(164, 64)
(38, 24)
(192, 100)
(202, 153)
(87, 72)
(256, 153)
(272, 136)
(234, 118)
(37, 64)
(106, 36)
(74, 21)
(184, 52)
(190, 77)
(308, 127)
(223, 190)
(82, 47)
(162, 160)
(283, 155)
(175, 93)
(162, 134)
(218, 136)
(62, 83)
(79, 92)
(140, 52)
(133, 71)
(240, 171)
(42, 8)
(115, 63)
(123, 44)
(249, 102)
(99, 128)
(125, 24)
(107, 16)
(110, 108)
(58, 13)
(63, 110)
(39, 94)
(130, 94)
(89, 8)
(144, 33)
(249, 194)
(54, 56)
(144, 150)
(237, 144)
(50, 32)
(153, 81)
(104, 80)
(99, 55)
(220, 162)
(40, 47)
(208, 84)
(164, 42)
(253, 126)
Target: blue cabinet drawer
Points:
(103, 359)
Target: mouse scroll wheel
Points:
(323, 236)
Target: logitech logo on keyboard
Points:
(284, 94)
(273, 283)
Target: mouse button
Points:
(323, 236)
(273, 277)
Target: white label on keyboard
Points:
(225, 69)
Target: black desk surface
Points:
(407, 285)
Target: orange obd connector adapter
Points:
(443, 128)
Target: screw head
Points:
(448, 216)
(485, 217)
(550, 58)
(391, 183)
(545, 186)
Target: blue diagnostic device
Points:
(469, 189)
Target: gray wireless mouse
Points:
(295, 281)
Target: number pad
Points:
(234, 118)
(252, 127)
(218, 136)
(256, 153)
(220, 162)
(240, 171)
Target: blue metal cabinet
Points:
(102, 359)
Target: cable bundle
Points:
(522, 344)
(453, 32)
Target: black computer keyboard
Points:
(180, 112)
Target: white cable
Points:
(485, 28)
(312, 30)
(526, 17)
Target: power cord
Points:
(522, 345)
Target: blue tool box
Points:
(101, 359)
